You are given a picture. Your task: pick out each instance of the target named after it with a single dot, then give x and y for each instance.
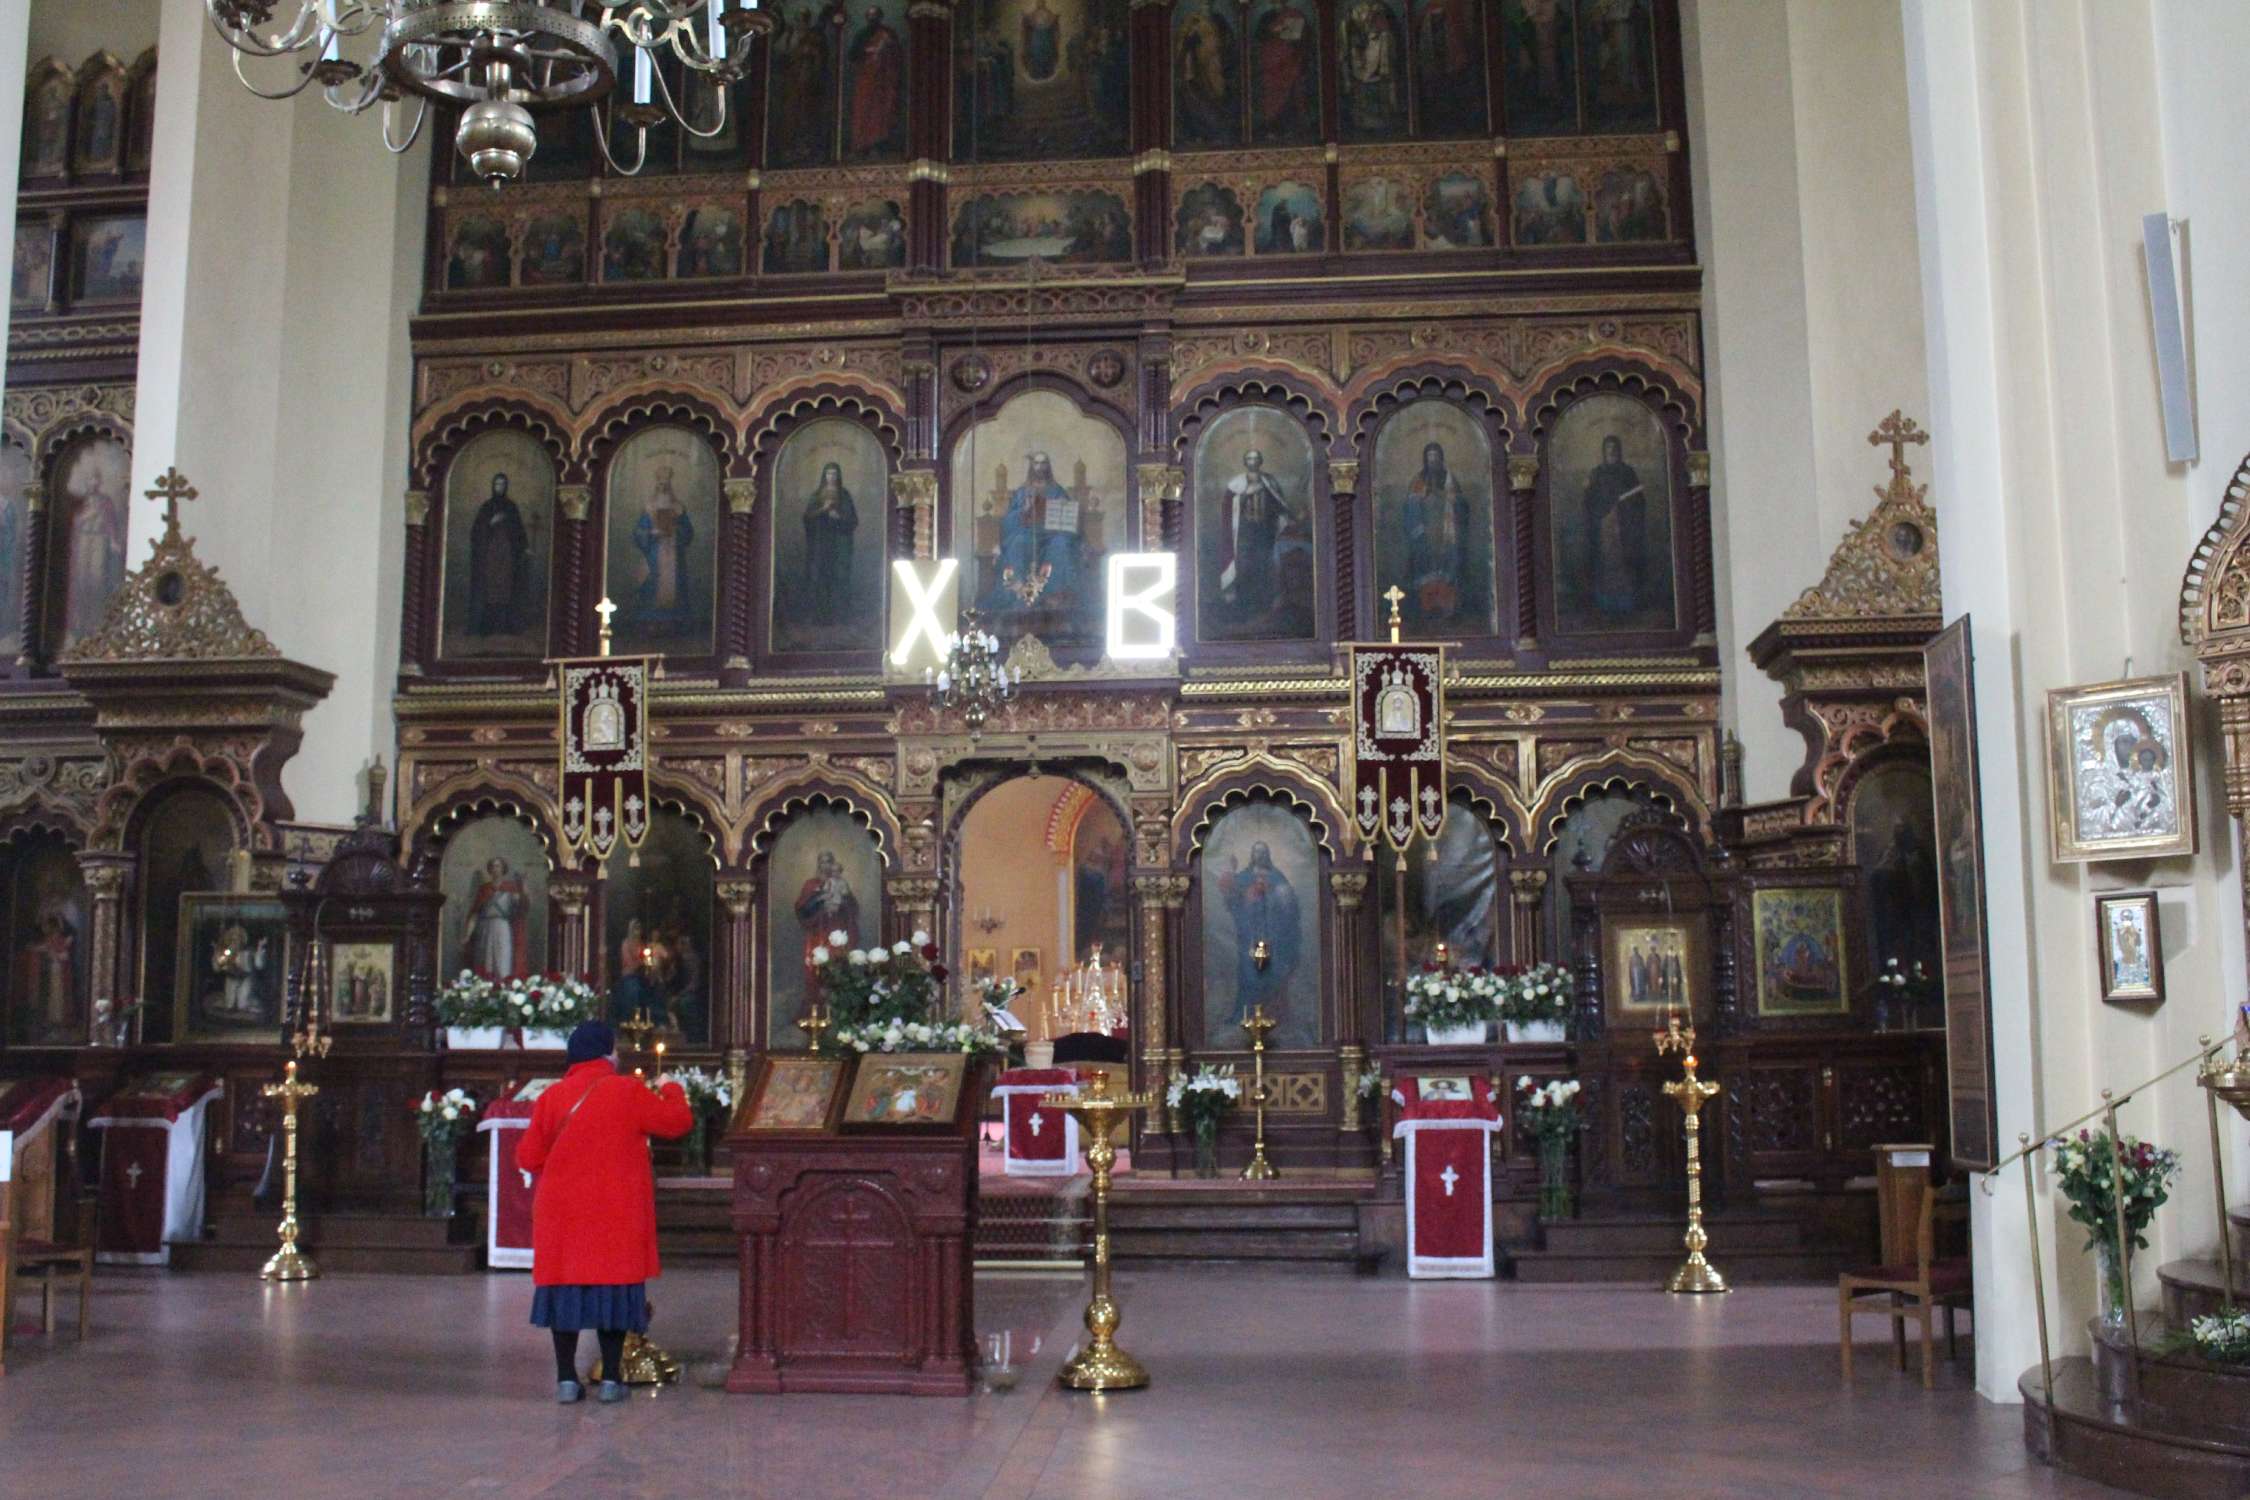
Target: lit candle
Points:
(660, 1059)
(644, 69)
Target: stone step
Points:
(340, 1259)
(1735, 1264)
(2195, 1288)
(2089, 1435)
(1340, 1245)
(1277, 1218)
(2170, 1389)
(1654, 1234)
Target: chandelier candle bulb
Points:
(644, 68)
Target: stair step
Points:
(1737, 1265)
(2114, 1445)
(2194, 1288)
(1338, 1245)
(1200, 1216)
(446, 1260)
(392, 1231)
(1653, 1235)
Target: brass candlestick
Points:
(1695, 1273)
(814, 1023)
(1260, 1169)
(289, 1263)
(1101, 1365)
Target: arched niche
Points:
(1259, 875)
(660, 555)
(823, 876)
(1040, 493)
(16, 561)
(1456, 892)
(1893, 823)
(493, 872)
(1582, 841)
(187, 840)
(1611, 468)
(88, 483)
(826, 526)
(47, 921)
(1261, 529)
(498, 548)
(657, 924)
(1436, 525)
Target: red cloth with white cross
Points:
(1041, 1141)
(508, 1190)
(152, 1166)
(1447, 1122)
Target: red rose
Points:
(939, 972)
(929, 953)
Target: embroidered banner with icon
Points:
(605, 753)
(1398, 742)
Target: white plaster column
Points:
(2037, 144)
(1812, 327)
(15, 62)
(284, 260)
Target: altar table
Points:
(1039, 1141)
(1447, 1122)
(152, 1166)
(507, 1215)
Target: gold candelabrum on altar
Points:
(1695, 1273)
(1091, 997)
(1101, 1365)
(1259, 1025)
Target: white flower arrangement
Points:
(539, 1002)
(1369, 1083)
(1203, 1094)
(443, 1118)
(707, 1092)
(1549, 1111)
(1447, 997)
(1539, 993)
(2222, 1337)
(917, 1036)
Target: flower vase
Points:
(438, 1180)
(1207, 1146)
(1555, 1198)
(698, 1148)
(2109, 1287)
(1462, 1034)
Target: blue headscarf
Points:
(591, 1039)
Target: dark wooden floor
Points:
(1268, 1383)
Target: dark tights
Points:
(611, 1342)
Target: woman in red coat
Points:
(593, 1217)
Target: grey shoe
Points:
(568, 1391)
(611, 1393)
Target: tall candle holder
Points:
(289, 1263)
(1258, 1025)
(1101, 1365)
(1695, 1273)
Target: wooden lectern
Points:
(855, 1256)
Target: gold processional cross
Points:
(1898, 430)
(171, 488)
(605, 609)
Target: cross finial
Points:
(605, 609)
(171, 488)
(1396, 596)
(1898, 430)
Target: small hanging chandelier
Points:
(974, 680)
(499, 60)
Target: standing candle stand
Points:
(1260, 1169)
(644, 1361)
(1101, 1365)
(1695, 1273)
(289, 1263)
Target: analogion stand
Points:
(1447, 1122)
(152, 1166)
(1041, 1139)
(508, 1191)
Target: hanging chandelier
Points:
(974, 681)
(499, 61)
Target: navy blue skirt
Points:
(605, 1309)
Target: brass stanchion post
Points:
(1101, 1365)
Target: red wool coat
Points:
(593, 1214)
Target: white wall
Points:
(1812, 302)
(73, 30)
(2042, 130)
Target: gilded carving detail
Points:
(174, 607)
(1887, 565)
(576, 501)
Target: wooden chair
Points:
(1912, 1290)
(54, 1264)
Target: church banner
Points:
(605, 753)
(1398, 741)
